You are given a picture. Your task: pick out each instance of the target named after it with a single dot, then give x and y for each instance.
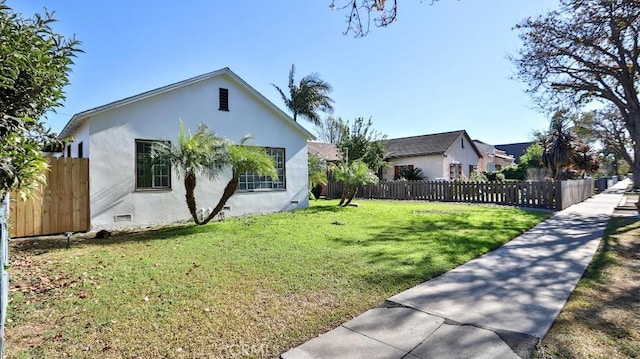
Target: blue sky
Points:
(440, 67)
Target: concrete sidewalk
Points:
(496, 306)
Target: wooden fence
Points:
(539, 194)
(62, 205)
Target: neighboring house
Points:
(492, 158)
(328, 152)
(127, 191)
(440, 156)
(515, 149)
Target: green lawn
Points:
(246, 287)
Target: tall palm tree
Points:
(204, 153)
(308, 97)
(355, 175)
(201, 152)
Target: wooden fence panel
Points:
(539, 194)
(62, 205)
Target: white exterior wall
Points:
(112, 157)
(431, 166)
(437, 166)
(79, 136)
(463, 155)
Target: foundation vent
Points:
(122, 217)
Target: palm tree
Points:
(243, 159)
(206, 154)
(558, 145)
(413, 174)
(196, 153)
(317, 169)
(308, 97)
(585, 161)
(355, 175)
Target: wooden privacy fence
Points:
(62, 205)
(540, 194)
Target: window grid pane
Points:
(149, 175)
(252, 181)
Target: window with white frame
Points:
(252, 181)
(150, 175)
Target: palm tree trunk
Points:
(229, 190)
(190, 186)
(345, 193)
(352, 194)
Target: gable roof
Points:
(515, 149)
(484, 147)
(78, 119)
(327, 151)
(424, 145)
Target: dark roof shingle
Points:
(515, 149)
(423, 145)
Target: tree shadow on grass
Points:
(600, 301)
(43, 244)
(428, 246)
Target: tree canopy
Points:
(584, 52)
(606, 127)
(35, 63)
(331, 130)
(362, 142)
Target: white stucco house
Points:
(126, 191)
(440, 156)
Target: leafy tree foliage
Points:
(514, 172)
(363, 143)
(34, 66)
(204, 153)
(532, 157)
(586, 51)
(606, 127)
(331, 130)
(354, 175)
(307, 97)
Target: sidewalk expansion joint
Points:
(521, 344)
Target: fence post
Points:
(558, 195)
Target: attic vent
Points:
(224, 99)
(122, 217)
